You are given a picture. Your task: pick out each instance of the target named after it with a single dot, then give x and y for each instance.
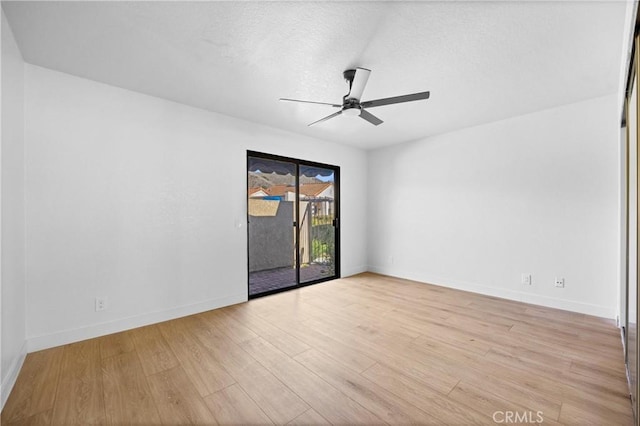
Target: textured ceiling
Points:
(482, 61)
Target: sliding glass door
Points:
(271, 217)
(318, 223)
(631, 235)
(293, 223)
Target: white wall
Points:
(476, 208)
(12, 341)
(143, 201)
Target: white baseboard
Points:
(535, 299)
(347, 272)
(36, 343)
(10, 376)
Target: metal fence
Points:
(317, 233)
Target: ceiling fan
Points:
(351, 104)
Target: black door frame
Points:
(336, 191)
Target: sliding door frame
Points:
(632, 79)
(296, 224)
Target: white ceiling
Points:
(482, 61)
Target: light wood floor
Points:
(362, 350)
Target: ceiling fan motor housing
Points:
(352, 110)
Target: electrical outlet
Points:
(559, 282)
(526, 279)
(101, 304)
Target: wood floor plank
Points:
(127, 395)
(421, 395)
(330, 403)
(365, 317)
(267, 390)
(116, 344)
(597, 385)
(518, 394)
(563, 341)
(309, 417)
(533, 358)
(424, 377)
(586, 415)
(274, 335)
(345, 354)
(462, 339)
(598, 370)
(384, 404)
(543, 387)
(177, 399)
(79, 396)
(229, 326)
(536, 381)
(549, 369)
(492, 405)
(597, 401)
(440, 376)
(278, 401)
(35, 388)
(436, 345)
(205, 372)
(153, 350)
(232, 406)
(40, 419)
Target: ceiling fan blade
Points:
(359, 82)
(395, 100)
(310, 102)
(335, 114)
(370, 118)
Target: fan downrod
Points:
(349, 75)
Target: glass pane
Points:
(271, 209)
(317, 231)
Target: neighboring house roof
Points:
(257, 191)
(309, 189)
(314, 189)
(278, 190)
